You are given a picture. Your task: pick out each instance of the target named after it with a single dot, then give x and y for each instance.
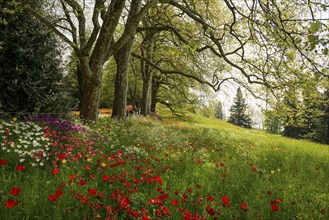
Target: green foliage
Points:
(318, 36)
(207, 111)
(315, 26)
(72, 79)
(238, 112)
(293, 121)
(305, 114)
(107, 93)
(219, 111)
(272, 122)
(30, 67)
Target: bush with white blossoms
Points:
(27, 140)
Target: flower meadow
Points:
(143, 169)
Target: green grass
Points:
(189, 160)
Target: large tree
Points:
(93, 47)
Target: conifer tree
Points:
(238, 115)
(219, 111)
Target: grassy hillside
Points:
(182, 168)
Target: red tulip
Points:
(11, 203)
(20, 168)
(3, 162)
(15, 191)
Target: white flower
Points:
(21, 160)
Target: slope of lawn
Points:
(182, 168)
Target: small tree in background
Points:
(238, 115)
(272, 122)
(293, 118)
(219, 111)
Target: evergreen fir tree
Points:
(293, 120)
(238, 115)
(219, 111)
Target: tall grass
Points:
(181, 168)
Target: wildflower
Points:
(11, 203)
(124, 202)
(92, 191)
(52, 198)
(166, 211)
(210, 198)
(82, 182)
(64, 161)
(55, 171)
(59, 193)
(3, 162)
(144, 211)
(20, 168)
(210, 210)
(15, 191)
(274, 207)
(174, 202)
(187, 215)
(244, 206)
(226, 202)
(72, 177)
(158, 213)
(278, 201)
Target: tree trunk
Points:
(89, 101)
(90, 89)
(155, 90)
(122, 58)
(147, 49)
(146, 94)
